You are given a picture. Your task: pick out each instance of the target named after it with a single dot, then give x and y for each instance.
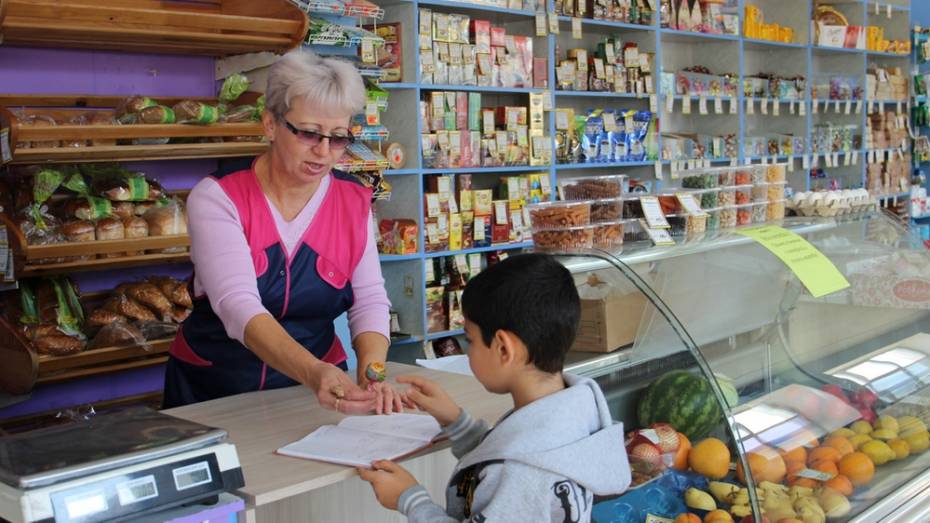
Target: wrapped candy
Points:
(375, 372)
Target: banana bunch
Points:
(700, 500)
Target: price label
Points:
(750, 106)
(702, 105)
(836, 106)
(888, 11)
(657, 169)
(692, 165)
(674, 168)
(733, 162)
(848, 109)
(858, 106)
(806, 161)
(791, 107)
(847, 159)
(776, 108)
(653, 103)
(871, 106)
(790, 165)
(718, 105)
(802, 108)
(815, 106)
(653, 212)
(855, 158)
(669, 103)
(541, 27)
(764, 109)
(836, 159)
(690, 204)
(814, 474)
(659, 237)
(553, 24)
(734, 105)
(686, 104)
(576, 28)
(898, 108)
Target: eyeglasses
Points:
(313, 138)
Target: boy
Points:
(545, 459)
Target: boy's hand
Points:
(389, 480)
(428, 395)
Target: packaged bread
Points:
(133, 105)
(101, 118)
(240, 114)
(156, 114)
(121, 185)
(75, 120)
(102, 317)
(135, 227)
(175, 290)
(158, 330)
(179, 314)
(189, 111)
(128, 307)
(58, 345)
(79, 231)
(167, 220)
(110, 228)
(123, 210)
(152, 297)
(86, 208)
(118, 334)
(37, 120)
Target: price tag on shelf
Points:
(542, 29)
(657, 169)
(764, 108)
(836, 159)
(734, 105)
(692, 165)
(871, 107)
(659, 237)
(877, 9)
(686, 104)
(855, 157)
(888, 11)
(898, 107)
(702, 105)
(790, 165)
(815, 475)
(848, 109)
(653, 103)
(802, 107)
(858, 106)
(652, 211)
(690, 204)
(733, 162)
(791, 107)
(776, 108)
(553, 23)
(669, 103)
(815, 106)
(576, 28)
(707, 163)
(847, 158)
(718, 105)
(372, 116)
(828, 159)
(547, 101)
(674, 167)
(750, 106)
(836, 106)
(805, 161)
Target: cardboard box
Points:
(609, 324)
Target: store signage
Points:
(818, 274)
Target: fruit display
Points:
(684, 400)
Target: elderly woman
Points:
(280, 250)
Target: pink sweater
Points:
(225, 273)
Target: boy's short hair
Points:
(532, 296)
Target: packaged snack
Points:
(560, 214)
(594, 187)
(744, 214)
(233, 87)
(728, 217)
(606, 210)
(564, 239)
(759, 212)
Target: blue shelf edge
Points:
(478, 6)
(399, 172)
(595, 165)
(398, 257)
(407, 341)
(696, 35)
(480, 89)
(397, 85)
(603, 94)
(444, 334)
(773, 43)
(478, 170)
(610, 23)
(496, 247)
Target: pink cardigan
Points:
(226, 274)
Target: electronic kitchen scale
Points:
(115, 466)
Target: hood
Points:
(569, 433)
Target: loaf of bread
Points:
(123, 210)
(79, 231)
(58, 345)
(102, 317)
(110, 229)
(101, 118)
(152, 297)
(122, 304)
(135, 227)
(118, 334)
(175, 290)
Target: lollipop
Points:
(375, 372)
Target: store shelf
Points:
(398, 85)
(769, 45)
(691, 37)
(890, 102)
(340, 9)
(477, 7)
(492, 248)
(888, 55)
(600, 94)
(609, 24)
(398, 257)
(397, 342)
(400, 172)
(479, 170)
(822, 50)
(606, 165)
(211, 29)
(479, 88)
(444, 334)
(898, 196)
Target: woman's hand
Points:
(427, 395)
(389, 480)
(388, 398)
(334, 389)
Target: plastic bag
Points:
(167, 219)
(189, 111)
(233, 87)
(132, 105)
(121, 304)
(76, 120)
(119, 334)
(119, 184)
(241, 114)
(36, 120)
(158, 330)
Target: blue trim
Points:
(595, 165)
(601, 94)
(400, 172)
(443, 334)
(479, 88)
(686, 36)
(385, 258)
(757, 44)
(888, 55)
(473, 6)
(497, 247)
(397, 85)
(406, 341)
(609, 23)
(478, 170)
(826, 50)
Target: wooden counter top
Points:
(261, 422)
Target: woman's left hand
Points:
(388, 398)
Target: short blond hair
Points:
(328, 83)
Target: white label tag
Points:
(806, 162)
(836, 106)
(855, 157)
(686, 104)
(657, 168)
(692, 165)
(653, 103)
(847, 159)
(658, 236)
(750, 106)
(541, 28)
(791, 107)
(690, 204)
(718, 105)
(815, 106)
(802, 107)
(888, 11)
(702, 105)
(576, 28)
(790, 165)
(776, 108)
(653, 212)
(734, 105)
(848, 109)
(836, 159)
(858, 106)
(553, 27)
(733, 162)
(669, 103)
(5, 153)
(871, 107)
(898, 108)
(814, 474)
(764, 109)
(674, 168)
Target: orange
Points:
(766, 465)
(803, 482)
(797, 454)
(687, 517)
(710, 458)
(858, 468)
(827, 467)
(840, 484)
(839, 443)
(823, 453)
(681, 455)
(718, 516)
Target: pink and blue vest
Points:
(305, 292)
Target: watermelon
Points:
(728, 390)
(685, 401)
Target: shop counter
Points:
(279, 488)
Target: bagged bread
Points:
(118, 334)
(37, 120)
(129, 107)
(135, 227)
(123, 210)
(157, 114)
(58, 345)
(189, 111)
(175, 290)
(132, 309)
(110, 228)
(167, 220)
(102, 317)
(152, 297)
(75, 120)
(101, 118)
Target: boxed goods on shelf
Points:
(699, 81)
(464, 134)
(389, 56)
(829, 86)
(601, 304)
(886, 84)
(398, 236)
(698, 147)
(773, 145)
(625, 11)
(605, 136)
(615, 67)
(889, 177)
(754, 26)
(886, 130)
(458, 50)
(704, 16)
(765, 85)
(829, 138)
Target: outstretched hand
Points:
(428, 396)
(389, 480)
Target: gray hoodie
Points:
(543, 462)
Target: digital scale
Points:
(114, 467)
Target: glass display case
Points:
(726, 364)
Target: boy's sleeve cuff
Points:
(411, 498)
(460, 426)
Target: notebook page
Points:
(414, 426)
(350, 447)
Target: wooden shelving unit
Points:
(204, 27)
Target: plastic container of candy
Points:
(609, 235)
(564, 239)
(547, 215)
(592, 187)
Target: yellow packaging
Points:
(537, 119)
(455, 232)
(483, 202)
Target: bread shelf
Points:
(64, 108)
(207, 27)
(34, 260)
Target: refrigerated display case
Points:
(825, 401)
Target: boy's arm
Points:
(465, 432)
(416, 504)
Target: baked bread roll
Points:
(175, 290)
(117, 335)
(123, 210)
(150, 296)
(110, 229)
(102, 317)
(121, 304)
(58, 345)
(135, 227)
(79, 231)
(101, 118)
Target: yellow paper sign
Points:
(816, 271)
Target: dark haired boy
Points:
(545, 459)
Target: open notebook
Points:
(359, 440)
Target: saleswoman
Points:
(280, 250)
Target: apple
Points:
(865, 398)
(835, 390)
